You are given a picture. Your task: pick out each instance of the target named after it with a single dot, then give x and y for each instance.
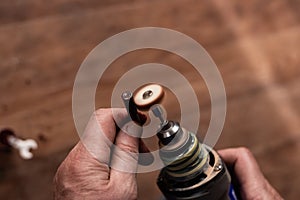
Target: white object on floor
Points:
(24, 146)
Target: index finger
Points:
(244, 165)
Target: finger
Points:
(143, 147)
(132, 129)
(124, 160)
(145, 157)
(100, 133)
(244, 165)
(126, 149)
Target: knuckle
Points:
(245, 151)
(128, 147)
(102, 112)
(61, 175)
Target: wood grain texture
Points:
(255, 45)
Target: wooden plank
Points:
(19, 11)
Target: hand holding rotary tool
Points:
(82, 176)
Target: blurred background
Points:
(255, 45)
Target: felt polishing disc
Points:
(148, 95)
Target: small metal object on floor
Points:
(8, 138)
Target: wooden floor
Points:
(255, 44)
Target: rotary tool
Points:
(192, 169)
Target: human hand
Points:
(251, 182)
(86, 171)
